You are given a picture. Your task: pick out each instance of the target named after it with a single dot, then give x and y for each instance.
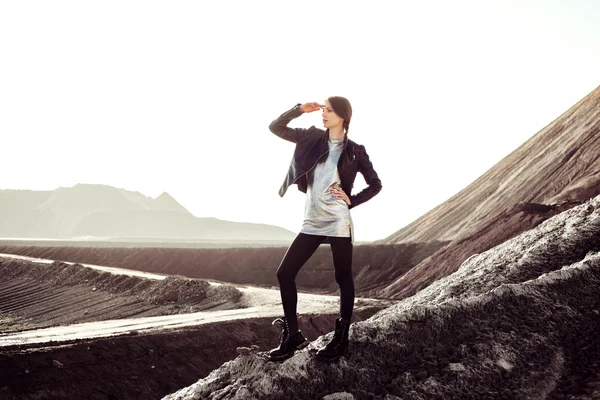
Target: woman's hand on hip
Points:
(310, 107)
(340, 194)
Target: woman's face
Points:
(330, 118)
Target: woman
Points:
(324, 166)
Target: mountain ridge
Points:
(97, 210)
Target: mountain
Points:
(560, 163)
(102, 211)
(519, 321)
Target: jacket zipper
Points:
(310, 168)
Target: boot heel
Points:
(303, 344)
(338, 346)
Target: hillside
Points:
(560, 163)
(519, 321)
(556, 169)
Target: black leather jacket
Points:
(311, 144)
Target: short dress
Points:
(324, 214)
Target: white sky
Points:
(177, 96)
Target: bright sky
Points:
(177, 96)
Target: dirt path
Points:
(112, 270)
(253, 303)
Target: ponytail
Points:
(324, 156)
(346, 152)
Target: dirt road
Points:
(255, 302)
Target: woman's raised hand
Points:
(310, 107)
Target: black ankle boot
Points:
(338, 346)
(288, 344)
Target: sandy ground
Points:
(254, 303)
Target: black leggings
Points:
(301, 249)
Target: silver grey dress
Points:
(323, 214)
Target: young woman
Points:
(324, 166)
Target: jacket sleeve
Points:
(365, 166)
(280, 128)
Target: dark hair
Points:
(341, 106)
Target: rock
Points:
(504, 364)
(247, 350)
(456, 367)
(339, 396)
(421, 375)
(243, 350)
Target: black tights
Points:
(301, 249)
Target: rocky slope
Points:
(148, 365)
(510, 223)
(519, 321)
(558, 164)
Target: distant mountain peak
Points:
(165, 195)
(166, 202)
